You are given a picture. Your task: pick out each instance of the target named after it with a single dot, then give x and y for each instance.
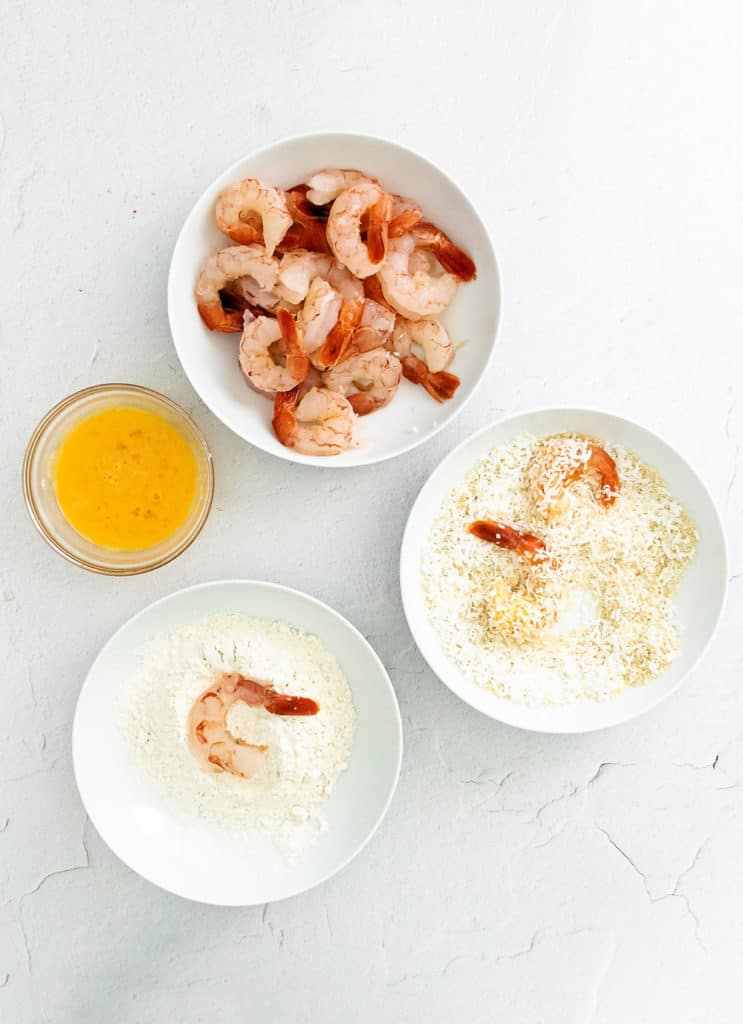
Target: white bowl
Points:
(210, 359)
(699, 601)
(187, 857)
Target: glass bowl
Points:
(41, 499)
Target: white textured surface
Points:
(517, 877)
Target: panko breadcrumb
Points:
(596, 619)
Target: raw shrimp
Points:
(558, 462)
(209, 738)
(364, 200)
(405, 215)
(425, 348)
(250, 211)
(271, 354)
(414, 291)
(450, 256)
(426, 339)
(326, 185)
(522, 606)
(318, 422)
(351, 292)
(368, 380)
(377, 323)
(319, 314)
(220, 271)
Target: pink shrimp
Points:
(314, 422)
(528, 545)
(559, 462)
(453, 259)
(209, 739)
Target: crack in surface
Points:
(37, 888)
(539, 936)
(536, 937)
(550, 838)
(734, 476)
(709, 766)
(497, 783)
(483, 780)
(516, 955)
(608, 764)
(575, 790)
(46, 767)
(21, 198)
(731, 409)
(674, 893)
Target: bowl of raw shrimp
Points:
(334, 299)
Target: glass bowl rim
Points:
(32, 506)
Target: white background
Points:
(518, 877)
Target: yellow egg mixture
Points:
(125, 478)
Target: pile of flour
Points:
(306, 754)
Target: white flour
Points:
(306, 754)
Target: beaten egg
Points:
(125, 478)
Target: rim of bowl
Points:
(267, 585)
(287, 453)
(655, 699)
(29, 457)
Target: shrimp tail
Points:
(284, 421)
(602, 463)
(441, 386)
(310, 236)
(378, 229)
(284, 704)
(245, 233)
(308, 229)
(523, 543)
(301, 209)
(335, 346)
(217, 318)
(450, 256)
(363, 404)
(404, 222)
(297, 360)
(259, 695)
(373, 290)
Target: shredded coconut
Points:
(306, 754)
(595, 617)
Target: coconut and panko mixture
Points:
(589, 615)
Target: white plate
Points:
(210, 359)
(699, 601)
(189, 858)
